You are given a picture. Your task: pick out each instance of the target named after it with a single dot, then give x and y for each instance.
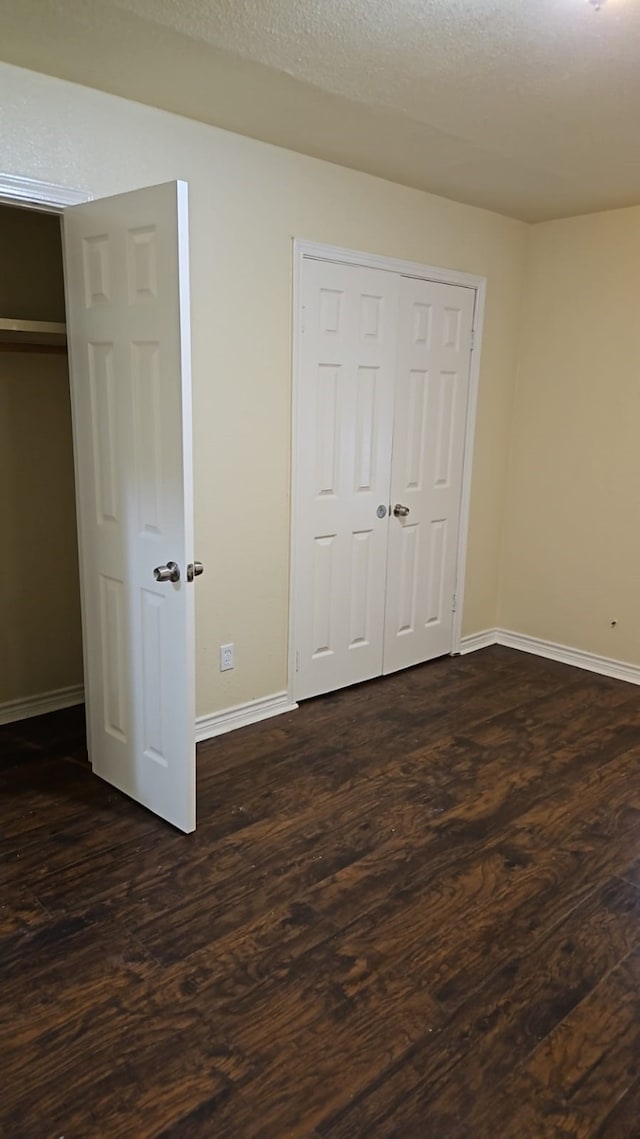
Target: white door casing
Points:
(345, 416)
(127, 284)
(431, 399)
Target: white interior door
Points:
(126, 267)
(432, 386)
(344, 417)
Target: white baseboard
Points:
(206, 726)
(252, 712)
(475, 641)
(579, 658)
(37, 705)
(242, 714)
(606, 666)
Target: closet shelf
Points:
(32, 335)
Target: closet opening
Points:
(41, 657)
(99, 584)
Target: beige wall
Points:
(572, 538)
(248, 200)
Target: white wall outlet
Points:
(226, 657)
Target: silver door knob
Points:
(170, 572)
(400, 511)
(194, 569)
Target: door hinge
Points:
(454, 607)
(297, 661)
(473, 339)
(303, 315)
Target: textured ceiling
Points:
(528, 107)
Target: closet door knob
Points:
(400, 511)
(194, 569)
(170, 572)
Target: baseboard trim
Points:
(241, 715)
(579, 658)
(565, 654)
(31, 706)
(475, 641)
(206, 726)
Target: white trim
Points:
(389, 264)
(30, 706)
(311, 249)
(205, 727)
(241, 715)
(579, 658)
(298, 256)
(44, 196)
(467, 461)
(474, 641)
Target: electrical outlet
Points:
(226, 657)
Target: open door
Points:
(127, 282)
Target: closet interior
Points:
(40, 630)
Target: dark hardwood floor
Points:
(410, 909)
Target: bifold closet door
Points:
(381, 423)
(344, 428)
(431, 399)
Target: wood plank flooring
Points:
(410, 909)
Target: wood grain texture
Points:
(410, 909)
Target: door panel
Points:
(432, 380)
(126, 262)
(345, 416)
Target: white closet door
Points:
(432, 381)
(127, 276)
(344, 417)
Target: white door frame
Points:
(45, 197)
(311, 249)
